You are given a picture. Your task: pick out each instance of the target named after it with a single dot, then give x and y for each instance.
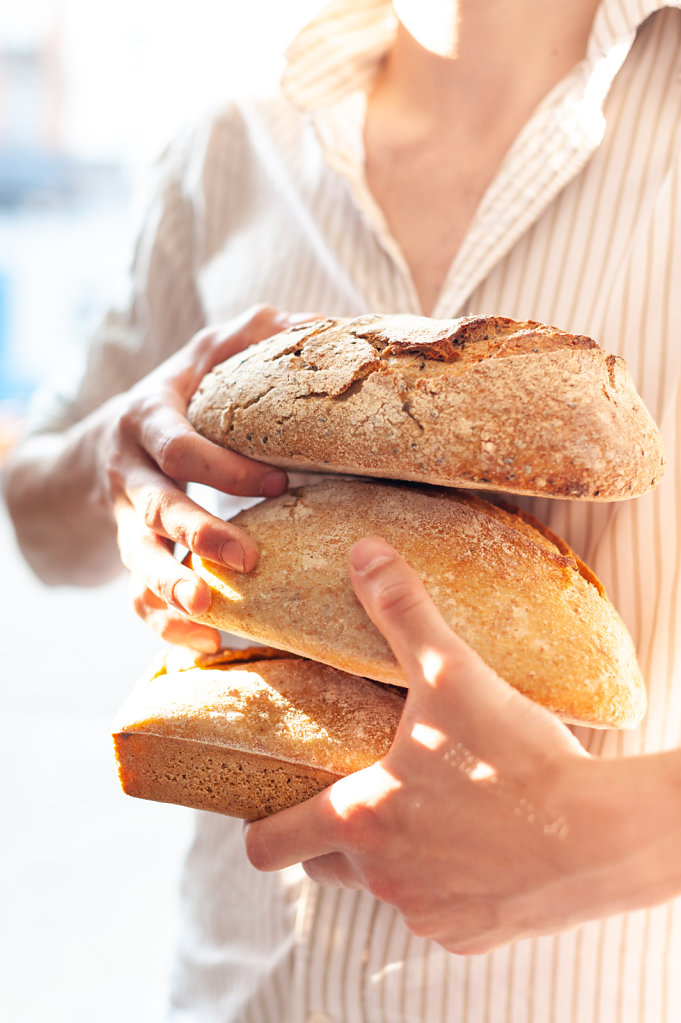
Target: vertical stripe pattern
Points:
(581, 228)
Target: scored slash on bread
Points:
(481, 402)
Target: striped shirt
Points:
(267, 201)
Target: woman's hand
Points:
(146, 457)
(112, 487)
(486, 822)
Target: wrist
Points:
(622, 831)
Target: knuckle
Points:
(384, 887)
(361, 827)
(165, 590)
(262, 314)
(198, 537)
(149, 503)
(405, 892)
(205, 336)
(442, 670)
(397, 597)
(204, 341)
(419, 927)
(263, 320)
(244, 479)
(126, 422)
(171, 456)
(327, 870)
(476, 926)
(217, 342)
(139, 409)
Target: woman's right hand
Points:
(149, 452)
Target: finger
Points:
(467, 926)
(149, 557)
(299, 833)
(428, 650)
(182, 454)
(399, 606)
(253, 325)
(332, 870)
(341, 818)
(215, 344)
(170, 625)
(165, 509)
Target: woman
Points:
(519, 158)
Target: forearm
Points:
(627, 819)
(62, 519)
(111, 490)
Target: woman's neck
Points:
(449, 100)
(449, 49)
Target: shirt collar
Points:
(616, 22)
(331, 65)
(339, 50)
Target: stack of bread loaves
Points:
(417, 413)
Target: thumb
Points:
(401, 609)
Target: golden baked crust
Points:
(246, 736)
(480, 402)
(514, 592)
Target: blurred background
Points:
(89, 93)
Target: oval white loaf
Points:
(480, 402)
(516, 593)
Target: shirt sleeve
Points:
(163, 309)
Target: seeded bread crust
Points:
(510, 588)
(248, 733)
(480, 402)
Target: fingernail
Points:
(232, 555)
(204, 642)
(274, 484)
(184, 593)
(370, 553)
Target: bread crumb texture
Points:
(515, 592)
(245, 736)
(205, 777)
(479, 402)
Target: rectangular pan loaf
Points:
(248, 733)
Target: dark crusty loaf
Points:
(481, 402)
(510, 588)
(247, 733)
